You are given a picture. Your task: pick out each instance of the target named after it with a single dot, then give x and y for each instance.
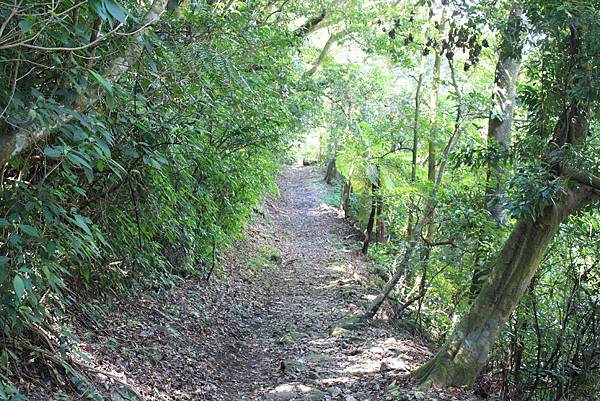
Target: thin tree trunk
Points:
(381, 233)
(345, 201)
(415, 147)
(372, 216)
(334, 37)
(430, 205)
(433, 106)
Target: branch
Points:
(332, 39)
(13, 143)
(582, 177)
(62, 48)
(310, 25)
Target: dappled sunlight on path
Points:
(265, 329)
(292, 355)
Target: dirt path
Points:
(261, 332)
(290, 352)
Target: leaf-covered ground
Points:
(264, 331)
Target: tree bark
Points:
(331, 172)
(465, 353)
(380, 235)
(372, 216)
(415, 148)
(345, 201)
(21, 138)
(500, 127)
(334, 37)
(433, 105)
(501, 116)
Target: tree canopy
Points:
(138, 138)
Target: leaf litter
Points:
(265, 328)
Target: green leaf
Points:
(99, 7)
(29, 230)
(116, 10)
(89, 175)
(107, 85)
(14, 240)
(19, 286)
(78, 160)
(54, 152)
(3, 261)
(81, 223)
(25, 25)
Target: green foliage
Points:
(159, 175)
(374, 148)
(158, 141)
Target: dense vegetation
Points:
(137, 139)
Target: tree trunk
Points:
(380, 235)
(345, 201)
(500, 126)
(331, 172)
(465, 353)
(433, 105)
(415, 147)
(334, 37)
(501, 116)
(372, 215)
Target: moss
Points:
(268, 258)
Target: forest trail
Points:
(262, 332)
(290, 353)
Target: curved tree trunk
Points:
(465, 353)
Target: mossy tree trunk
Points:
(465, 353)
